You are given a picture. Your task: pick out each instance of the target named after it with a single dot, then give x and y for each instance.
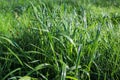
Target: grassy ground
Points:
(59, 40)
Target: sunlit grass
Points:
(58, 40)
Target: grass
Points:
(59, 40)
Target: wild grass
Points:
(59, 40)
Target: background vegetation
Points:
(59, 39)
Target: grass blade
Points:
(11, 73)
(15, 56)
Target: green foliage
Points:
(59, 40)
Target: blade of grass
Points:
(71, 78)
(78, 60)
(39, 67)
(64, 71)
(16, 56)
(4, 78)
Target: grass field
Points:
(59, 39)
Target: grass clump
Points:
(59, 40)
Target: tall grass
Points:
(59, 40)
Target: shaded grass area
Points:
(59, 40)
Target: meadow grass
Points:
(59, 40)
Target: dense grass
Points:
(59, 40)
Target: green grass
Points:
(59, 40)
